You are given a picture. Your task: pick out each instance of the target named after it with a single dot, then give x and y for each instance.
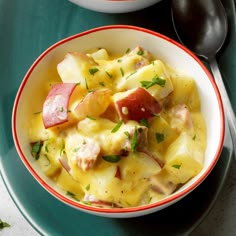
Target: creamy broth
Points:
(129, 131)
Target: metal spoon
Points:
(202, 26)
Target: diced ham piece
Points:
(99, 203)
(163, 183)
(181, 117)
(141, 63)
(142, 52)
(82, 151)
(55, 107)
(137, 105)
(87, 154)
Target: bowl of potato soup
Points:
(118, 121)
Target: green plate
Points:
(28, 28)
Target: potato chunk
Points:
(82, 69)
(185, 92)
(113, 142)
(147, 73)
(159, 126)
(100, 54)
(184, 158)
(75, 67)
(93, 104)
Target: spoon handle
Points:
(229, 112)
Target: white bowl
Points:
(114, 6)
(117, 39)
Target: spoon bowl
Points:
(201, 25)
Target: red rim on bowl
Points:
(114, 211)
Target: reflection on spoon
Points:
(201, 25)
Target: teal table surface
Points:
(28, 28)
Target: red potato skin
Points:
(64, 164)
(55, 107)
(118, 172)
(104, 204)
(139, 105)
(99, 203)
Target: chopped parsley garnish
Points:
(177, 166)
(37, 112)
(61, 109)
(86, 84)
(46, 148)
(36, 148)
(49, 161)
(72, 195)
(62, 151)
(150, 199)
(128, 50)
(91, 118)
(87, 187)
(102, 84)
(86, 202)
(122, 71)
(134, 140)
(108, 74)
(127, 134)
(46, 144)
(155, 80)
(111, 158)
(76, 149)
(140, 52)
(194, 137)
(118, 125)
(156, 115)
(160, 137)
(144, 122)
(119, 60)
(130, 74)
(3, 224)
(62, 148)
(94, 70)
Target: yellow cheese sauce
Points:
(134, 131)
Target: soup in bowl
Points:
(118, 121)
